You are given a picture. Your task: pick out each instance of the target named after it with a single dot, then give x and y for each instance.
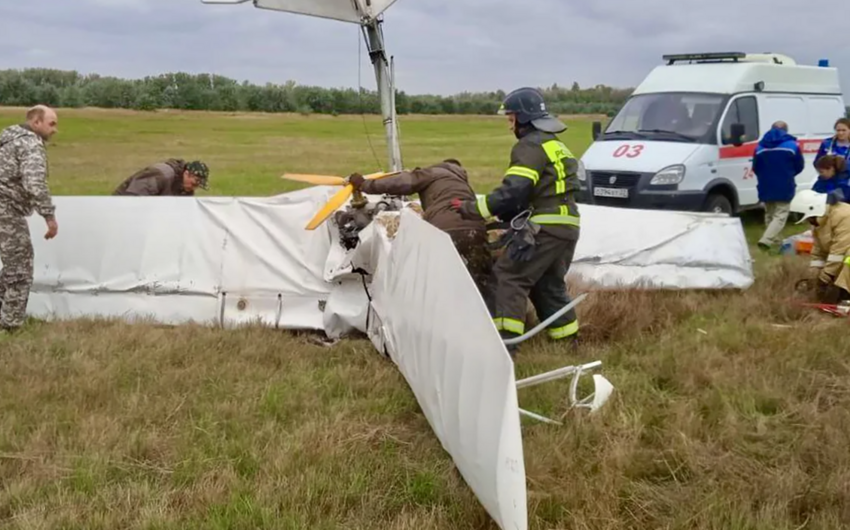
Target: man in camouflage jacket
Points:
(23, 190)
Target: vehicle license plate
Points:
(620, 193)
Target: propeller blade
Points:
(329, 180)
(376, 176)
(338, 199)
(331, 206)
(319, 180)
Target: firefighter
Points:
(830, 264)
(538, 197)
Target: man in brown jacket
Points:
(436, 186)
(172, 177)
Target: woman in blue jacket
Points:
(834, 179)
(836, 145)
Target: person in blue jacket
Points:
(834, 179)
(838, 144)
(777, 162)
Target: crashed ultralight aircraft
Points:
(240, 260)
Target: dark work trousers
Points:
(473, 249)
(542, 280)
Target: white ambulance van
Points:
(685, 138)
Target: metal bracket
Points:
(539, 418)
(221, 309)
(279, 312)
(602, 388)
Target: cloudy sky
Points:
(508, 42)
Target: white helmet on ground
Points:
(809, 203)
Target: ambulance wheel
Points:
(717, 203)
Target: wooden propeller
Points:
(339, 197)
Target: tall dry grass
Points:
(731, 410)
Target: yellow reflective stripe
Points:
(560, 187)
(483, 209)
(510, 324)
(557, 152)
(522, 171)
(556, 219)
(564, 331)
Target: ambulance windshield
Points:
(685, 117)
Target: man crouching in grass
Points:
(172, 177)
(830, 265)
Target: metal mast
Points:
(366, 14)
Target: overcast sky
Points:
(510, 42)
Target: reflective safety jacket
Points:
(542, 177)
(831, 251)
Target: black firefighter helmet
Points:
(528, 106)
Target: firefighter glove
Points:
(522, 243)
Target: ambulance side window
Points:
(742, 110)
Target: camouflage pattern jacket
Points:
(23, 173)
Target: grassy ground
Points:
(732, 410)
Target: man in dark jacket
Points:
(777, 162)
(172, 177)
(437, 185)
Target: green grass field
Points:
(732, 410)
(96, 149)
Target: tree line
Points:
(60, 88)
